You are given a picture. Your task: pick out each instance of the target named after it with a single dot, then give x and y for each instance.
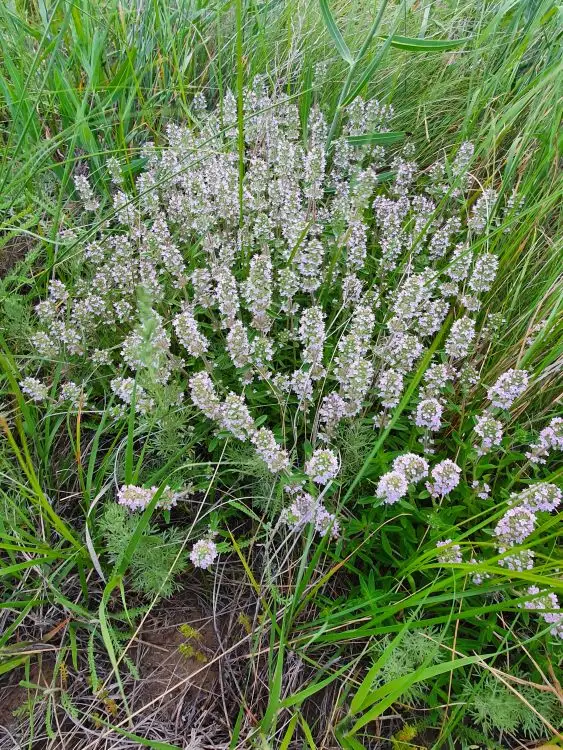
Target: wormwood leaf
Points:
(334, 31)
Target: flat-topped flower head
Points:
(449, 553)
(391, 487)
(508, 387)
(542, 496)
(35, 389)
(515, 526)
(322, 466)
(429, 414)
(411, 466)
(445, 476)
(135, 498)
(549, 439)
(489, 430)
(204, 553)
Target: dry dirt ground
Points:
(176, 681)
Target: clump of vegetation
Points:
(494, 707)
(157, 557)
(294, 356)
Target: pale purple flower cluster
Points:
(482, 210)
(391, 487)
(445, 476)
(275, 457)
(204, 553)
(508, 387)
(412, 466)
(35, 389)
(460, 338)
(138, 498)
(352, 369)
(356, 245)
(515, 526)
(519, 560)
(204, 395)
(450, 553)
(550, 604)
(312, 335)
(188, 333)
(460, 263)
(489, 430)
(124, 388)
(84, 190)
(232, 414)
(236, 417)
(436, 380)
(72, 393)
(549, 439)
(479, 577)
(306, 509)
(390, 387)
(484, 273)
(322, 466)
(257, 291)
(542, 496)
(482, 489)
(238, 345)
(409, 468)
(332, 410)
(429, 414)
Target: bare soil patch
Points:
(15, 249)
(174, 658)
(14, 697)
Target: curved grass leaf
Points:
(334, 31)
(373, 65)
(415, 44)
(376, 139)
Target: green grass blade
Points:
(334, 31)
(415, 44)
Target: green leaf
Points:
(334, 31)
(289, 732)
(414, 44)
(376, 139)
(392, 690)
(298, 698)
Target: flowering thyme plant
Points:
(274, 300)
